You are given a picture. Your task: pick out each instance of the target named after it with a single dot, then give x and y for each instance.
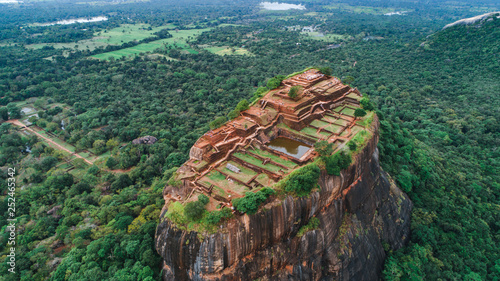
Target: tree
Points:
(337, 162)
(112, 143)
(93, 170)
(121, 182)
(324, 148)
(194, 210)
(273, 83)
(233, 114)
(219, 121)
(4, 113)
(359, 112)
(243, 105)
(348, 80)
(294, 91)
(326, 70)
(15, 112)
(215, 217)
(99, 146)
(111, 163)
(303, 180)
(252, 200)
(352, 145)
(366, 104)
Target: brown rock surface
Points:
(358, 211)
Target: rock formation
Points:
(361, 213)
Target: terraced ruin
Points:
(269, 140)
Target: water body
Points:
(291, 147)
(71, 21)
(276, 6)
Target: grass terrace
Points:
(254, 161)
(274, 157)
(348, 111)
(244, 175)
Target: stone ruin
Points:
(233, 159)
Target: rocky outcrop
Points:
(145, 140)
(360, 212)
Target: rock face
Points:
(360, 212)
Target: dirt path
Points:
(21, 125)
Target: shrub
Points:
(273, 83)
(203, 199)
(176, 213)
(251, 202)
(352, 145)
(233, 114)
(94, 170)
(324, 148)
(293, 92)
(325, 70)
(215, 217)
(243, 105)
(337, 162)
(311, 225)
(359, 112)
(366, 104)
(111, 163)
(301, 181)
(259, 93)
(219, 121)
(194, 210)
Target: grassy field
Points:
(116, 36)
(179, 39)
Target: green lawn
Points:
(319, 123)
(264, 180)
(179, 40)
(245, 175)
(219, 180)
(123, 34)
(348, 111)
(274, 157)
(310, 132)
(333, 128)
(257, 162)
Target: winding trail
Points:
(22, 126)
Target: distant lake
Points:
(71, 21)
(275, 6)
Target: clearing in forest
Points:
(179, 39)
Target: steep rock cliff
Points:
(360, 212)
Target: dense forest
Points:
(436, 93)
